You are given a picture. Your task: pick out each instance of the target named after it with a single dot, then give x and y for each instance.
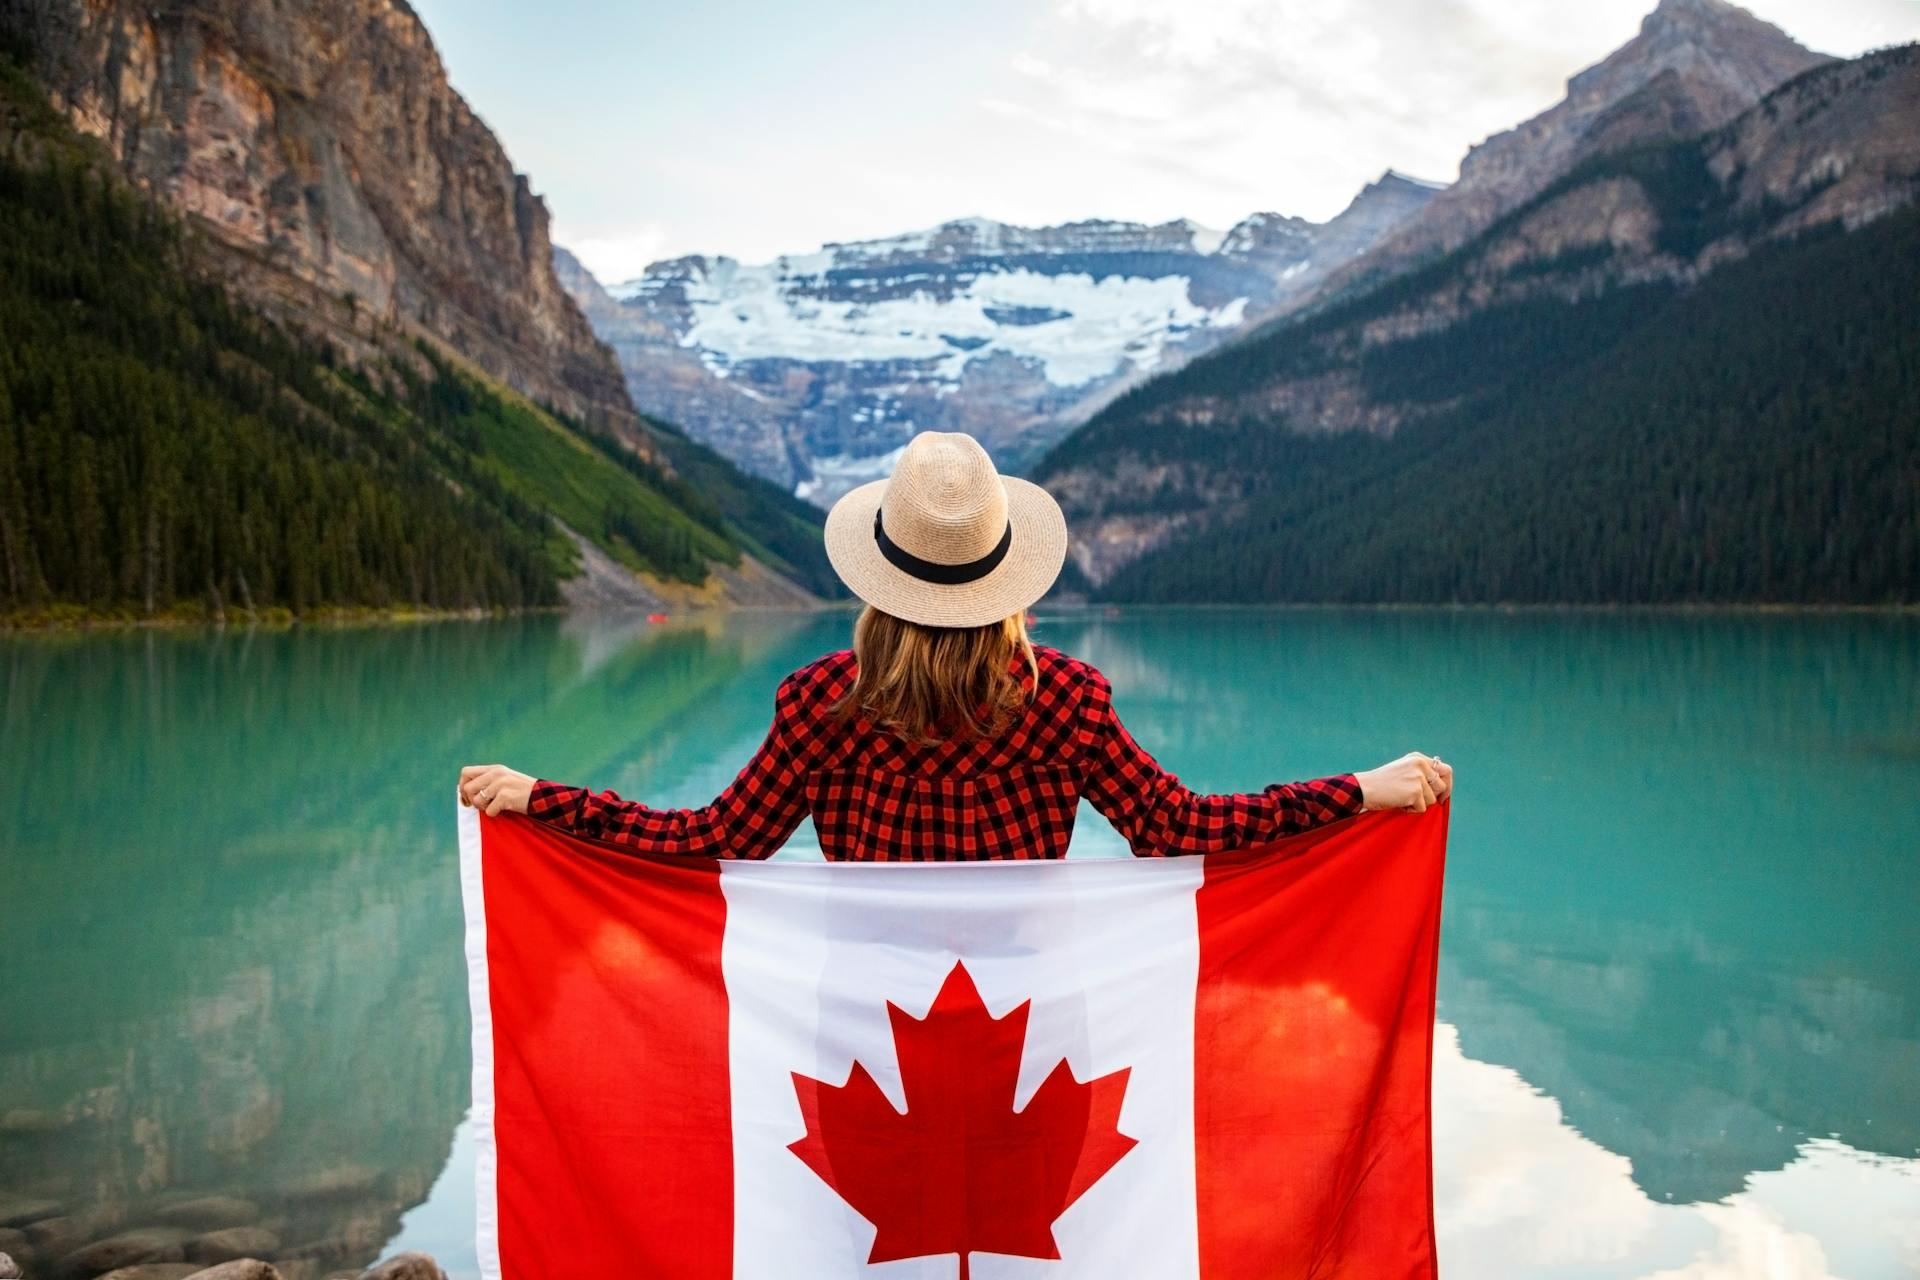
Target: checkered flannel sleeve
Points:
(750, 819)
(1160, 817)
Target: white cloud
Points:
(723, 140)
(1293, 105)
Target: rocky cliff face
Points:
(812, 370)
(1838, 146)
(322, 145)
(1694, 65)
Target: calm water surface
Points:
(1680, 983)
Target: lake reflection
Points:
(1680, 985)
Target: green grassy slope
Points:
(775, 526)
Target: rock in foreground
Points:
(406, 1266)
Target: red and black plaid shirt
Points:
(877, 798)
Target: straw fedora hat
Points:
(947, 541)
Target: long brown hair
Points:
(932, 683)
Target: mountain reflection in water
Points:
(1679, 993)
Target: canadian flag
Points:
(1185, 1067)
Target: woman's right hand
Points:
(1411, 783)
(495, 789)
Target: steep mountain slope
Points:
(170, 446)
(677, 386)
(1754, 439)
(1693, 66)
(1682, 371)
(776, 529)
(161, 452)
(322, 145)
(810, 370)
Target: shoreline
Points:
(1484, 606)
(71, 620)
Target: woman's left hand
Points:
(495, 789)
(1411, 783)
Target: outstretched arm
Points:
(750, 819)
(1159, 816)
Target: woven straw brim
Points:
(1033, 561)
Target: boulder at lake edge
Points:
(232, 1244)
(406, 1266)
(240, 1269)
(143, 1244)
(209, 1213)
(18, 1211)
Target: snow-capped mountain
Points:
(814, 369)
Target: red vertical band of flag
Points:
(611, 1101)
(1313, 1051)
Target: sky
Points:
(753, 128)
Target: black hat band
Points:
(946, 575)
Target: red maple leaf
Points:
(960, 1171)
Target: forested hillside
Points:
(164, 449)
(1756, 438)
(1684, 370)
(768, 521)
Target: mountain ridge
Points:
(1572, 237)
(1833, 150)
(813, 368)
(328, 148)
(1692, 65)
(422, 346)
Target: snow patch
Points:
(906, 243)
(741, 313)
(842, 473)
(804, 266)
(1206, 239)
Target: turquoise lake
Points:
(1680, 961)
